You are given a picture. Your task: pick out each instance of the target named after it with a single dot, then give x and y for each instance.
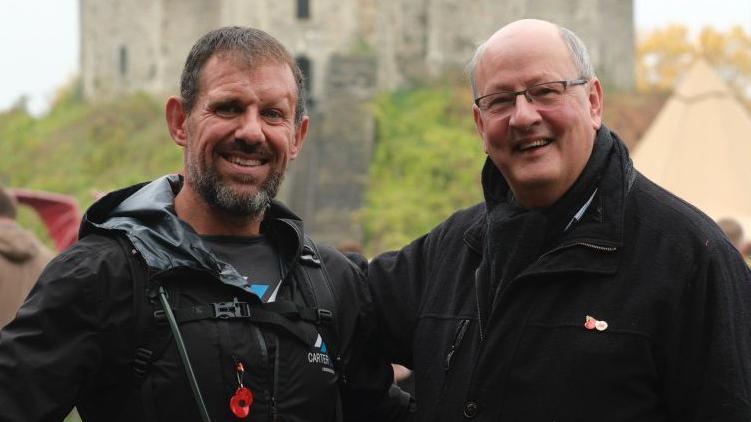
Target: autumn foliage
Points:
(664, 54)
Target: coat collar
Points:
(601, 225)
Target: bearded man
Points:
(198, 296)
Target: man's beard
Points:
(219, 194)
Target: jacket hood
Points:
(17, 244)
(145, 214)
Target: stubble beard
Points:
(219, 194)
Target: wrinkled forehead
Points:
(223, 63)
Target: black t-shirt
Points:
(254, 258)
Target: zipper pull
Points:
(450, 355)
(458, 336)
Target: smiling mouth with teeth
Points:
(534, 144)
(244, 162)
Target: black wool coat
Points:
(639, 312)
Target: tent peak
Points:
(701, 81)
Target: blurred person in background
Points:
(22, 258)
(734, 231)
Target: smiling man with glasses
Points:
(579, 290)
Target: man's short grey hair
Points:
(576, 47)
(252, 45)
(472, 65)
(579, 53)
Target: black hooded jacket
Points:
(638, 312)
(75, 338)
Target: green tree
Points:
(78, 149)
(426, 164)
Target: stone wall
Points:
(327, 183)
(182, 23)
(119, 53)
(412, 39)
(157, 35)
(139, 45)
(428, 37)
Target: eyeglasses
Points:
(544, 96)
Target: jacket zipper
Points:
(274, 378)
(461, 329)
(584, 244)
(459, 333)
(479, 311)
(589, 245)
(270, 392)
(595, 247)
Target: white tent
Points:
(699, 147)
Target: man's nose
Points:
(524, 114)
(250, 126)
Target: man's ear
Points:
(479, 125)
(596, 97)
(176, 119)
(301, 133)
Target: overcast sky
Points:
(40, 46)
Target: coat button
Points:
(470, 409)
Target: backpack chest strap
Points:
(296, 320)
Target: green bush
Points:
(426, 164)
(79, 149)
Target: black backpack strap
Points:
(323, 293)
(286, 315)
(183, 352)
(150, 340)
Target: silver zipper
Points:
(461, 329)
(569, 245)
(479, 313)
(596, 247)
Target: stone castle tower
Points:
(349, 50)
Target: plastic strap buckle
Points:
(324, 315)
(234, 309)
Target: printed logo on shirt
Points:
(266, 291)
(258, 289)
(319, 356)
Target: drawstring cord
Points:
(183, 355)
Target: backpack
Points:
(153, 336)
